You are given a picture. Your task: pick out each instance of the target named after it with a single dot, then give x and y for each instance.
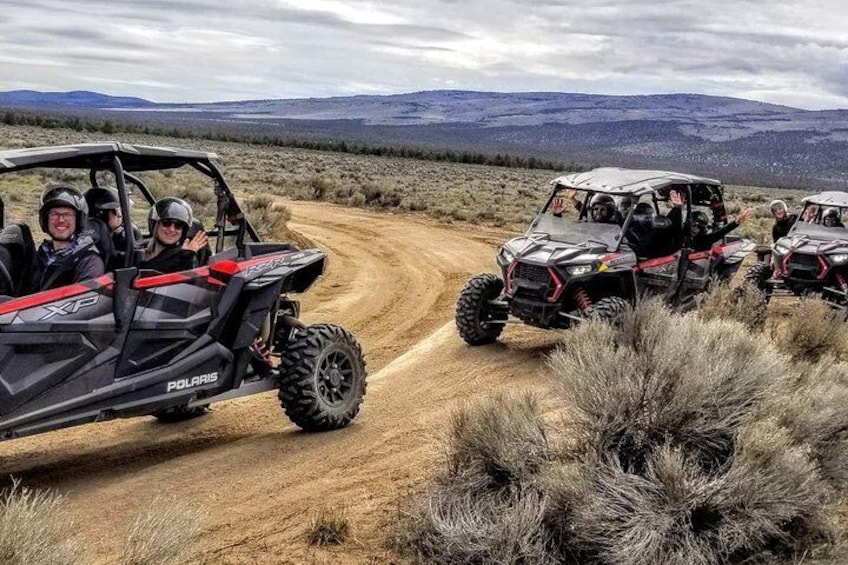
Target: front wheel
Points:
(757, 276)
(322, 378)
(609, 310)
(477, 321)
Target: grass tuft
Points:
(329, 527)
(35, 528)
(162, 533)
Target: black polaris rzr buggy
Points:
(132, 343)
(567, 268)
(812, 259)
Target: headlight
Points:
(781, 250)
(576, 270)
(839, 258)
(507, 255)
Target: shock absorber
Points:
(583, 300)
(261, 348)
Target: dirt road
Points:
(393, 281)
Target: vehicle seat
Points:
(99, 231)
(17, 253)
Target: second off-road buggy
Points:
(812, 259)
(565, 269)
(132, 343)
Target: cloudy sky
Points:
(792, 52)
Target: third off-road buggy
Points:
(565, 269)
(813, 257)
(132, 343)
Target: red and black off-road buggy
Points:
(568, 267)
(132, 343)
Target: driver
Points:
(69, 256)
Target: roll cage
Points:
(657, 185)
(122, 160)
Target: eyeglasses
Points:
(171, 224)
(60, 215)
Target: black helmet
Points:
(830, 217)
(101, 200)
(700, 219)
(63, 196)
(169, 208)
(602, 208)
(643, 213)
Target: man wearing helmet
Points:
(104, 205)
(702, 239)
(651, 235)
(169, 250)
(830, 218)
(782, 219)
(69, 255)
(602, 207)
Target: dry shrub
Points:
(486, 506)
(161, 533)
(662, 379)
(270, 218)
(35, 528)
(812, 408)
(500, 442)
(813, 330)
(744, 304)
(672, 450)
(330, 526)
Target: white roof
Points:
(614, 180)
(830, 198)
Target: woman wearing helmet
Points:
(168, 251)
(69, 255)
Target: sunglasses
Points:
(171, 224)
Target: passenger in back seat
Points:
(105, 209)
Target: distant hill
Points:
(77, 98)
(732, 139)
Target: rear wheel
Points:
(474, 313)
(757, 276)
(609, 310)
(322, 378)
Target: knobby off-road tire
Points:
(757, 275)
(473, 309)
(180, 413)
(609, 310)
(322, 378)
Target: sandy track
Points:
(393, 281)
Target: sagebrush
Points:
(680, 441)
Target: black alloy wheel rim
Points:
(335, 378)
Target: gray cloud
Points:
(794, 52)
